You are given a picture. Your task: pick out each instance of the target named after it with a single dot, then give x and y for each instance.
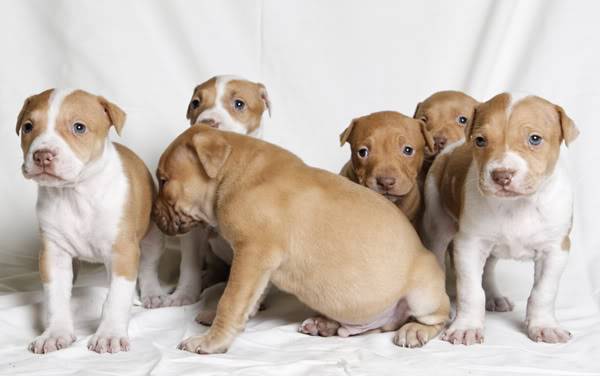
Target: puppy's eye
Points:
(161, 182)
(363, 152)
(462, 120)
(535, 139)
(195, 103)
(27, 127)
(239, 104)
(79, 128)
(408, 150)
(480, 141)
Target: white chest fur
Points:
(520, 228)
(83, 219)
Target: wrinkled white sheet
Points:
(323, 63)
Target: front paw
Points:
(51, 341)
(177, 300)
(549, 334)
(499, 304)
(110, 343)
(460, 335)
(414, 334)
(204, 344)
(153, 301)
(321, 326)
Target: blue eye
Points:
(27, 127)
(363, 152)
(239, 104)
(79, 128)
(408, 151)
(535, 139)
(480, 142)
(462, 120)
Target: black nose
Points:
(385, 182)
(502, 177)
(440, 142)
(43, 157)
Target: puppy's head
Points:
(229, 103)
(387, 151)
(63, 132)
(446, 115)
(516, 143)
(188, 173)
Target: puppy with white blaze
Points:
(504, 193)
(94, 203)
(228, 103)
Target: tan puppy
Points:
(303, 229)
(388, 150)
(94, 203)
(504, 193)
(446, 114)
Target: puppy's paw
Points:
(414, 334)
(51, 341)
(153, 301)
(204, 344)
(319, 325)
(463, 336)
(108, 343)
(549, 334)
(206, 317)
(499, 304)
(177, 300)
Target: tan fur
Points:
(264, 201)
(385, 134)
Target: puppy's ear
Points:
(262, 90)
(429, 142)
(191, 107)
(212, 151)
(21, 114)
(116, 116)
(417, 110)
(567, 126)
(347, 132)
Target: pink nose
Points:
(440, 142)
(210, 122)
(503, 177)
(43, 157)
(385, 182)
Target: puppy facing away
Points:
(388, 150)
(94, 204)
(446, 114)
(504, 193)
(304, 230)
(224, 102)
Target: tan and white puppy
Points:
(94, 204)
(504, 193)
(302, 229)
(224, 102)
(388, 150)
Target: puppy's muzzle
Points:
(169, 221)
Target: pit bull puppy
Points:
(224, 102)
(302, 229)
(388, 149)
(504, 193)
(94, 204)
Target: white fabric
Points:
(323, 64)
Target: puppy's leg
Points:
(470, 255)
(111, 335)
(194, 248)
(207, 316)
(250, 273)
(56, 272)
(438, 227)
(542, 325)
(152, 248)
(494, 300)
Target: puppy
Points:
(223, 102)
(504, 193)
(303, 229)
(388, 149)
(94, 204)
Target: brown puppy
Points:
(303, 229)
(388, 150)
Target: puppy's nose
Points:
(385, 182)
(440, 142)
(210, 122)
(502, 176)
(43, 157)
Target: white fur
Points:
(219, 113)
(509, 161)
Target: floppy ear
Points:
(567, 126)
(265, 97)
(188, 115)
(115, 114)
(347, 132)
(417, 110)
(21, 114)
(212, 151)
(429, 143)
(471, 124)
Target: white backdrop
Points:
(323, 64)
